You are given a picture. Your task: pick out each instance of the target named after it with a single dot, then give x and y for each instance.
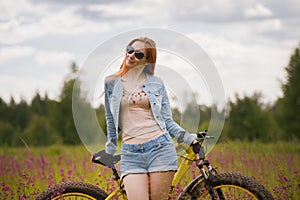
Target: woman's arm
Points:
(173, 128)
(112, 138)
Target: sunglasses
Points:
(137, 53)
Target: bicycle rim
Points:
(74, 196)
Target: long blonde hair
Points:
(150, 57)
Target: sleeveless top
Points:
(136, 118)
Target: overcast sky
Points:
(249, 41)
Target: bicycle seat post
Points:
(115, 173)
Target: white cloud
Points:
(246, 68)
(65, 21)
(12, 9)
(15, 52)
(258, 11)
(116, 10)
(42, 57)
(124, 15)
(53, 58)
(24, 88)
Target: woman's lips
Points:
(130, 61)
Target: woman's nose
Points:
(131, 56)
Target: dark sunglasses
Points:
(137, 53)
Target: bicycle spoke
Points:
(231, 192)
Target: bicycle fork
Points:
(209, 180)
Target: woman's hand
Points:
(199, 151)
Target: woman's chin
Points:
(130, 64)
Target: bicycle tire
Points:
(72, 189)
(229, 183)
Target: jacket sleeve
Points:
(173, 128)
(112, 138)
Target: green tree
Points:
(40, 132)
(40, 105)
(7, 134)
(18, 114)
(22, 114)
(100, 112)
(290, 103)
(62, 116)
(191, 117)
(248, 120)
(176, 115)
(3, 110)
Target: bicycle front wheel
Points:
(72, 190)
(227, 186)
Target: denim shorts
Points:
(156, 155)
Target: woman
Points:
(136, 102)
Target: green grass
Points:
(26, 172)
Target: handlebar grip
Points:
(202, 135)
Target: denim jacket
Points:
(159, 104)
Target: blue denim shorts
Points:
(156, 155)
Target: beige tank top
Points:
(136, 118)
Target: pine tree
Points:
(248, 120)
(290, 119)
(64, 121)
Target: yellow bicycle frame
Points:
(120, 190)
(183, 167)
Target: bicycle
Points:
(208, 185)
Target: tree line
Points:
(45, 121)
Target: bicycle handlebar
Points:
(203, 136)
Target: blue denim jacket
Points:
(159, 103)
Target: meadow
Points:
(25, 172)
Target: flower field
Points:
(26, 172)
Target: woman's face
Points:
(131, 59)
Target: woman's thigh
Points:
(137, 186)
(160, 183)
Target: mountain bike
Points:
(208, 185)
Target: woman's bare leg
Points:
(160, 183)
(137, 186)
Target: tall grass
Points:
(26, 172)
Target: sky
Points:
(249, 42)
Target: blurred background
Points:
(44, 43)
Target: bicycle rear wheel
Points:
(227, 186)
(73, 190)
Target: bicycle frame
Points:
(183, 167)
